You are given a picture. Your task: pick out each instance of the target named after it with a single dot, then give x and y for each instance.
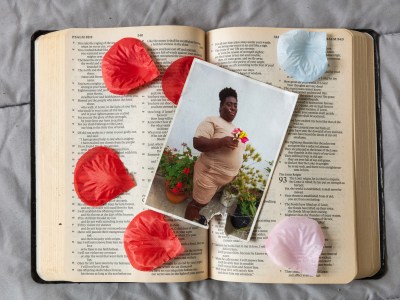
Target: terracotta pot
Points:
(174, 198)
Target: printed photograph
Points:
(221, 149)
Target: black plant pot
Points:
(238, 220)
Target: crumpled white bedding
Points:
(20, 18)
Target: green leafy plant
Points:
(250, 182)
(248, 203)
(177, 168)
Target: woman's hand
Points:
(229, 142)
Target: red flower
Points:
(186, 171)
(126, 66)
(176, 190)
(101, 176)
(149, 241)
(174, 78)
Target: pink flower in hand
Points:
(241, 135)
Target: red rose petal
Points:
(126, 66)
(100, 176)
(175, 76)
(150, 242)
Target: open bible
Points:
(328, 169)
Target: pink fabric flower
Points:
(241, 135)
(236, 130)
(296, 243)
(244, 140)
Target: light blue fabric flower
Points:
(302, 54)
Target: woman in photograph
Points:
(221, 155)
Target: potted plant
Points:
(177, 168)
(246, 189)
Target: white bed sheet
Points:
(20, 18)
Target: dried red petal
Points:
(175, 76)
(150, 242)
(100, 176)
(126, 66)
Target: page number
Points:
(140, 35)
(282, 179)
